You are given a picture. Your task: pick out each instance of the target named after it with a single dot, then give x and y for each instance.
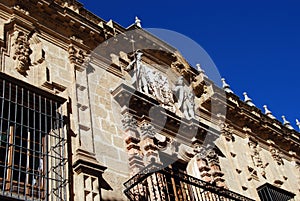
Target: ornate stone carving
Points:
(212, 158)
(129, 122)
(132, 141)
(147, 130)
(256, 158)
(77, 56)
(149, 148)
(276, 155)
(226, 131)
(215, 169)
(185, 99)
(22, 52)
(156, 85)
(180, 64)
(151, 82)
(73, 5)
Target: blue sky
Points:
(254, 44)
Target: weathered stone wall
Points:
(244, 176)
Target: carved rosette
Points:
(21, 52)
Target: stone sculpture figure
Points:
(185, 99)
(139, 72)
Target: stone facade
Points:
(128, 108)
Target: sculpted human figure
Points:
(185, 99)
(189, 105)
(139, 72)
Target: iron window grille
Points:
(268, 192)
(32, 143)
(158, 183)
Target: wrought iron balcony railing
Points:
(164, 184)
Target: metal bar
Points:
(40, 155)
(27, 164)
(46, 130)
(27, 167)
(9, 159)
(21, 140)
(33, 180)
(14, 137)
(1, 127)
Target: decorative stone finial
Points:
(226, 86)
(268, 112)
(138, 22)
(248, 100)
(286, 123)
(298, 123)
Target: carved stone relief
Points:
(22, 52)
(76, 55)
(256, 158)
(226, 131)
(27, 51)
(276, 155)
(177, 98)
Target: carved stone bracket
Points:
(78, 57)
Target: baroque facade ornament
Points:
(76, 55)
(226, 131)
(178, 99)
(256, 158)
(22, 52)
(276, 155)
(147, 130)
(129, 122)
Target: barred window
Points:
(32, 141)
